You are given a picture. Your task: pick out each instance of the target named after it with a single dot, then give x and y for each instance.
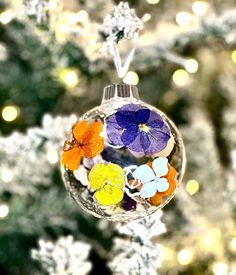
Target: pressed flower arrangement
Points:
(124, 159)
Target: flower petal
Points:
(157, 199)
(158, 140)
(71, 158)
(92, 146)
(141, 116)
(109, 195)
(160, 166)
(98, 176)
(149, 190)
(144, 173)
(162, 185)
(129, 134)
(79, 129)
(116, 175)
(144, 141)
(125, 119)
(114, 131)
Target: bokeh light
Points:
(183, 18)
(200, 8)
(6, 17)
(52, 155)
(153, 2)
(192, 187)
(10, 113)
(4, 211)
(181, 77)
(82, 16)
(7, 175)
(191, 66)
(146, 17)
(69, 77)
(220, 268)
(234, 56)
(212, 238)
(185, 257)
(131, 78)
(232, 245)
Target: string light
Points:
(146, 17)
(69, 77)
(185, 257)
(192, 187)
(180, 77)
(6, 17)
(153, 2)
(131, 78)
(52, 156)
(220, 268)
(191, 66)
(7, 175)
(82, 16)
(4, 211)
(200, 8)
(234, 56)
(183, 18)
(232, 245)
(64, 28)
(212, 238)
(10, 113)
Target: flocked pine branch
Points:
(138, 254)
(27, 160)
(63, 257)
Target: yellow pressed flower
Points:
(108, 181)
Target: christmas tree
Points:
(54, 64)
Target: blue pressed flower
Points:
(139, 129)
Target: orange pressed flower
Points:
(86, 142)
(157, 199)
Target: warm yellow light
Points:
(64, 28)
(82, 16)
(4, 211)
(220, 268)
(183, 18)
(185, 257)
(232, 245)
(52, 156)
(234, 56)
(200, 7)
(180, 77)
(69, 77)
(6, 17)
(52, 5)
(192, 187)
(71, 18)
(7, 175)
(153, 2)
(131, 78)
(212, 238)
(10, 113)
(146, 17)
(191, 66)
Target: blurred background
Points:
(53, 67)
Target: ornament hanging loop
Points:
(122, 25)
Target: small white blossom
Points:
(64, 257)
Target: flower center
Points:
(144, 128)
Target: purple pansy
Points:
(138, 128)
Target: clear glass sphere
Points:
(124, 159)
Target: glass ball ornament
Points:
(124, 159)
